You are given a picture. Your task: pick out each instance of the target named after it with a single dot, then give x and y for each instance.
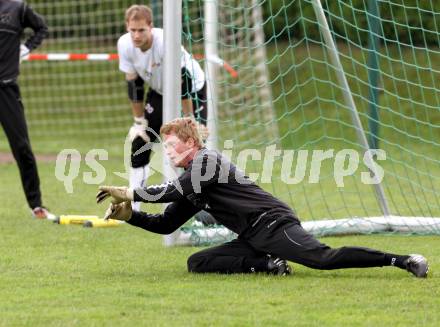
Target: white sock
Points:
(138, 178)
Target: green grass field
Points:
(54, 275)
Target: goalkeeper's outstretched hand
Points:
(118, 194)
(121, 211)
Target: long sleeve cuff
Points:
(135, 218)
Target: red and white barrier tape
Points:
(110, 57)
(71, 57)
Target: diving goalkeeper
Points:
(269, 232)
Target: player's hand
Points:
(118, 194)
(121, 211)
(203, 131)
(139, 129)
(24, 51)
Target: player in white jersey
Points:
(141, 55)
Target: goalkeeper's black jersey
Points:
(15, 16)
(211, 183)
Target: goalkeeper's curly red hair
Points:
(184, 128)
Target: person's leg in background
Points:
(140, 159)
(13, 120)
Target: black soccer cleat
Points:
(277, 266)
(417, 265)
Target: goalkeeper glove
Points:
(117, 193)
(139, 129)
(121, 211)
(24, 51)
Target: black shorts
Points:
(154, 109)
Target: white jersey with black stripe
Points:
(149, 64)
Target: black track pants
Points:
(14, 124)
(283, 239)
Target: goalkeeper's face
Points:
(179, 152)
(141, 33)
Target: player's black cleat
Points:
(417, 265)
(277, 266)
